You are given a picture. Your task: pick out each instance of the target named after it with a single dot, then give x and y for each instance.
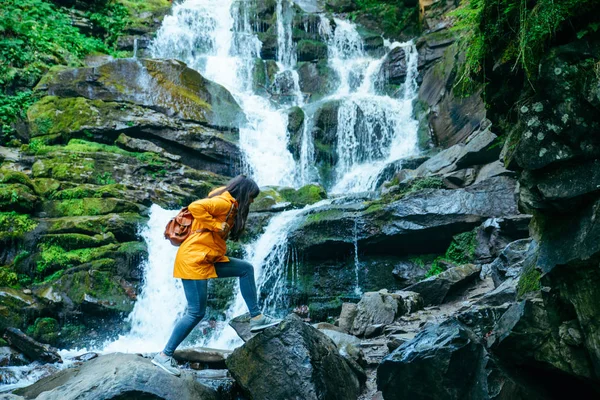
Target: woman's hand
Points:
(224, 229)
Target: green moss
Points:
(45, 187)
(8, 277)
(53, 257)
(14, 225)
(9, 176)
(308, 194)
(529, 281)
(16, 196)
(435, 269)
(462, 248)
(73, 241)
(325, 215)
(45, 330)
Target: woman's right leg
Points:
(196, 295)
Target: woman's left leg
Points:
(245, 271)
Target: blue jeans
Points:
(196, 294)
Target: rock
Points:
(412, 301)
(316, 79)
(85, 357)
(168, 85)
(451, 118)
(506, 292)
(479, 149)
(528, 335)
(241, 325)
(347, 316)
(491, 170)
(11, 358)
(374, 311)
(292, 360)
(409, 272)
(17, 309)
(509, 263)
(421, 222)
(348, 345)
(394, 66)
(496, 233)
(438, 288)
(311, 50)
(142, 145)
(460, 178)
(212, 358)
(117, 375)
(442, 362)
(32, 349)
(441, 163)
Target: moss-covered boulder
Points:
(17, 197)
(316, 79)
(165, 84)
(17, 309)
(294, 198)
(311, 50)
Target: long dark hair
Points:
(242, 189)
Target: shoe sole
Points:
(164, 368)
(263, 327)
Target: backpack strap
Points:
(201, 230)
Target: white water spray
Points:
(161, 301)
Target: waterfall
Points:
(215, 38)
(161, 301)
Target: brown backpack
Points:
(179, 227)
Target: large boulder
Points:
(117, 376)
(438, 288)
(442, 362)
(33, 349)
(292, 360)
(166, 85)
(421, 222)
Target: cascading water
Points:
(215, 38)
(161, 301)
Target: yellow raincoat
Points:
(198, 254)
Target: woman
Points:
(202, 256)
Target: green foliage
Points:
(8, 277)
(512, 31)
(529, 281)
(36, 35)
(435, 269)
(45, 330)
(392, 16)
(14, 225)
(462, 248)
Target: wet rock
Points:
(442, 362)
(348, 345)
(311, 50)
(85, 357)
(409, 272)
(166, 85)
(32, 349)
(436, 289)
(142, 145)
(510, 262)
(211, 358)
(117, 375)
(292, 360)
(451, 118)
(377, 309)
(528, 336)
(11, 358)
(394, 66)
(17, 309)
(491, 170)
(496, 233)
(316, 79)
(422, 222)
(413, 301)
(347, 316)
(241, 325)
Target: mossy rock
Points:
(88, 206)
(17, 197)
(94, 292)
(295, 130)
(74, 241)
(168, 85)
(45, 330)
(267, 198)
(308, 194)
(311, 50)
(17, 309)
(17, 177)
(45, 187)
(8, 277)
(53, 258)
(14, 225)
(123, 226)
